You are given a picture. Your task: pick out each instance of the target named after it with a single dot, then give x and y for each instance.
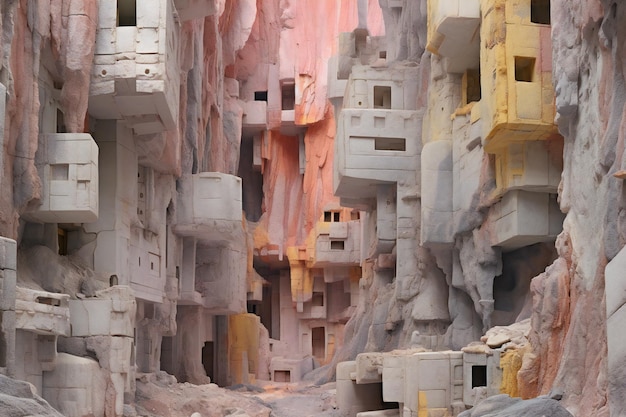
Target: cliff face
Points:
(256, 97)
(569, 335)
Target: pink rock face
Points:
(286, 38)
(314, 47)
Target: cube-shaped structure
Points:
(111, 312)
(433, 381)
(481, 372)
(528, 166)
(378, 131)
(516, 73)
(289, 369)
(374, 147)
(210, 207)
(353, 398)
(453, 32)
(337, 243)
(254, 116)
(136, 74)
(42, 312)
(523, 218)
(76, 386)
(68, 167)
(220, 278)
(369, 367)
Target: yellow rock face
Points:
(510, 362)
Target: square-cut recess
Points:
(382, 97)
(337, 244)
(479, 376)
(540, 11)
(288, 95)
(318, 299)
(126, 13)
(524, 68)
(390, 144)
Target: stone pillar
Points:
(8, 277)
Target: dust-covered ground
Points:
(159, 395)
(297, 399)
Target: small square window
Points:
(382, 97)
(524, 69)
(540, 11)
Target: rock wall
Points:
(569, 318)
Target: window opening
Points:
(318, 299)
(126, 13)
(382, 97)
(479, 376)
(540, 11)
(288, 95)
(62, 241)
(337, 244)
(524, 68)
(390, 144)
(260, 96)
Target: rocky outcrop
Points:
(18, 398)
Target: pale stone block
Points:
(42, 312)
(147, 41)
(345, 370)
(289, 370)
(255, 114)
(76, 387)
(523, 218)
(210, 206)
(125, 39)
(8, 273)
(616, 344)
(107, 16)
(380, 413)
(353, 398)
(436, 377)
(615, 283)
(149, 14)
(393, 377)
(105, 42)
(99, 316)
(67, 195)
(369, 367)
(8, 253)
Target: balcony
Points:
(136, 75)
(453, 32)
(195, 9)
(523, 218)
(68, 167)
(209, 207)
(373, 147)
(42, 312)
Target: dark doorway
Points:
(208, 356)
(318, 342)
